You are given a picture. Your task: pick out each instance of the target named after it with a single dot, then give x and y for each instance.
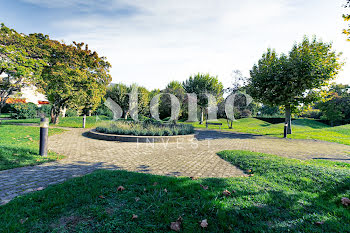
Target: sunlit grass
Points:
(301, 129)
(19, 146)
(284, 195)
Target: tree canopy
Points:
(20, 60)
(73, 76)
(202, 84)
(294, 78)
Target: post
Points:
(84, 121)
(44, 132)
(285, 130)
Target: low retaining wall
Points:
(143, 139)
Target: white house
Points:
(28, 94)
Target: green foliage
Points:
(284, 195)
(104, 110)
(119, 93)
(201, 84)
(45, 110)
(25, 111)
(175, 88)
(335, 107)
(76, 77)
(296, 78)
(146, 128)
(19, 146)
(311, 113)
(19, 60)
(71, 112)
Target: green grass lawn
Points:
(71, 122)
(19, 146)
(5, 115)
(301, 129)
(283, 195)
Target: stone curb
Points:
(142, 139)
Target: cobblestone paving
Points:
(197, 158)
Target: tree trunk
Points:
(288, 119)
(202, 116)
(54, 115)
(126, 115)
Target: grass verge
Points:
(283, 195)
(70, 122)
(302, 129)
(19, 146)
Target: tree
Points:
(73, 76)
(346, 17)
(202, 84)
(119, 94)
(332, 109)
(175, 88)
(296, 78)
(335, 107)
(20, 61)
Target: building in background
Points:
(27, 94)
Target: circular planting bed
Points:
(148, 132)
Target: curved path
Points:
(197, 158)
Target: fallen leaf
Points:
(194, 178)
(204, 223)
(134, 216)
(345, 201)
(22, 221)
(144, 189)
(319, 223)
(15, 154)
(120, 188)
(251, 175)
(176, 226)
(40, 188)
(101, 196)
(204, 187)
(165, 190)
(226, 193)
(109, 211)
(137, 199)
(248, 170)
(30, 139)
(155, 183)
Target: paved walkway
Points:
(198, 158)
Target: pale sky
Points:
(151, 42)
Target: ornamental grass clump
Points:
(145, 128)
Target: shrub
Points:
(45, 110)
(146, 128)
(312, 113)
(246, 113)
(25, 111)
(71, 113)
(104, 110)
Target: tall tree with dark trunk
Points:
(73, 76)
(296, 78)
